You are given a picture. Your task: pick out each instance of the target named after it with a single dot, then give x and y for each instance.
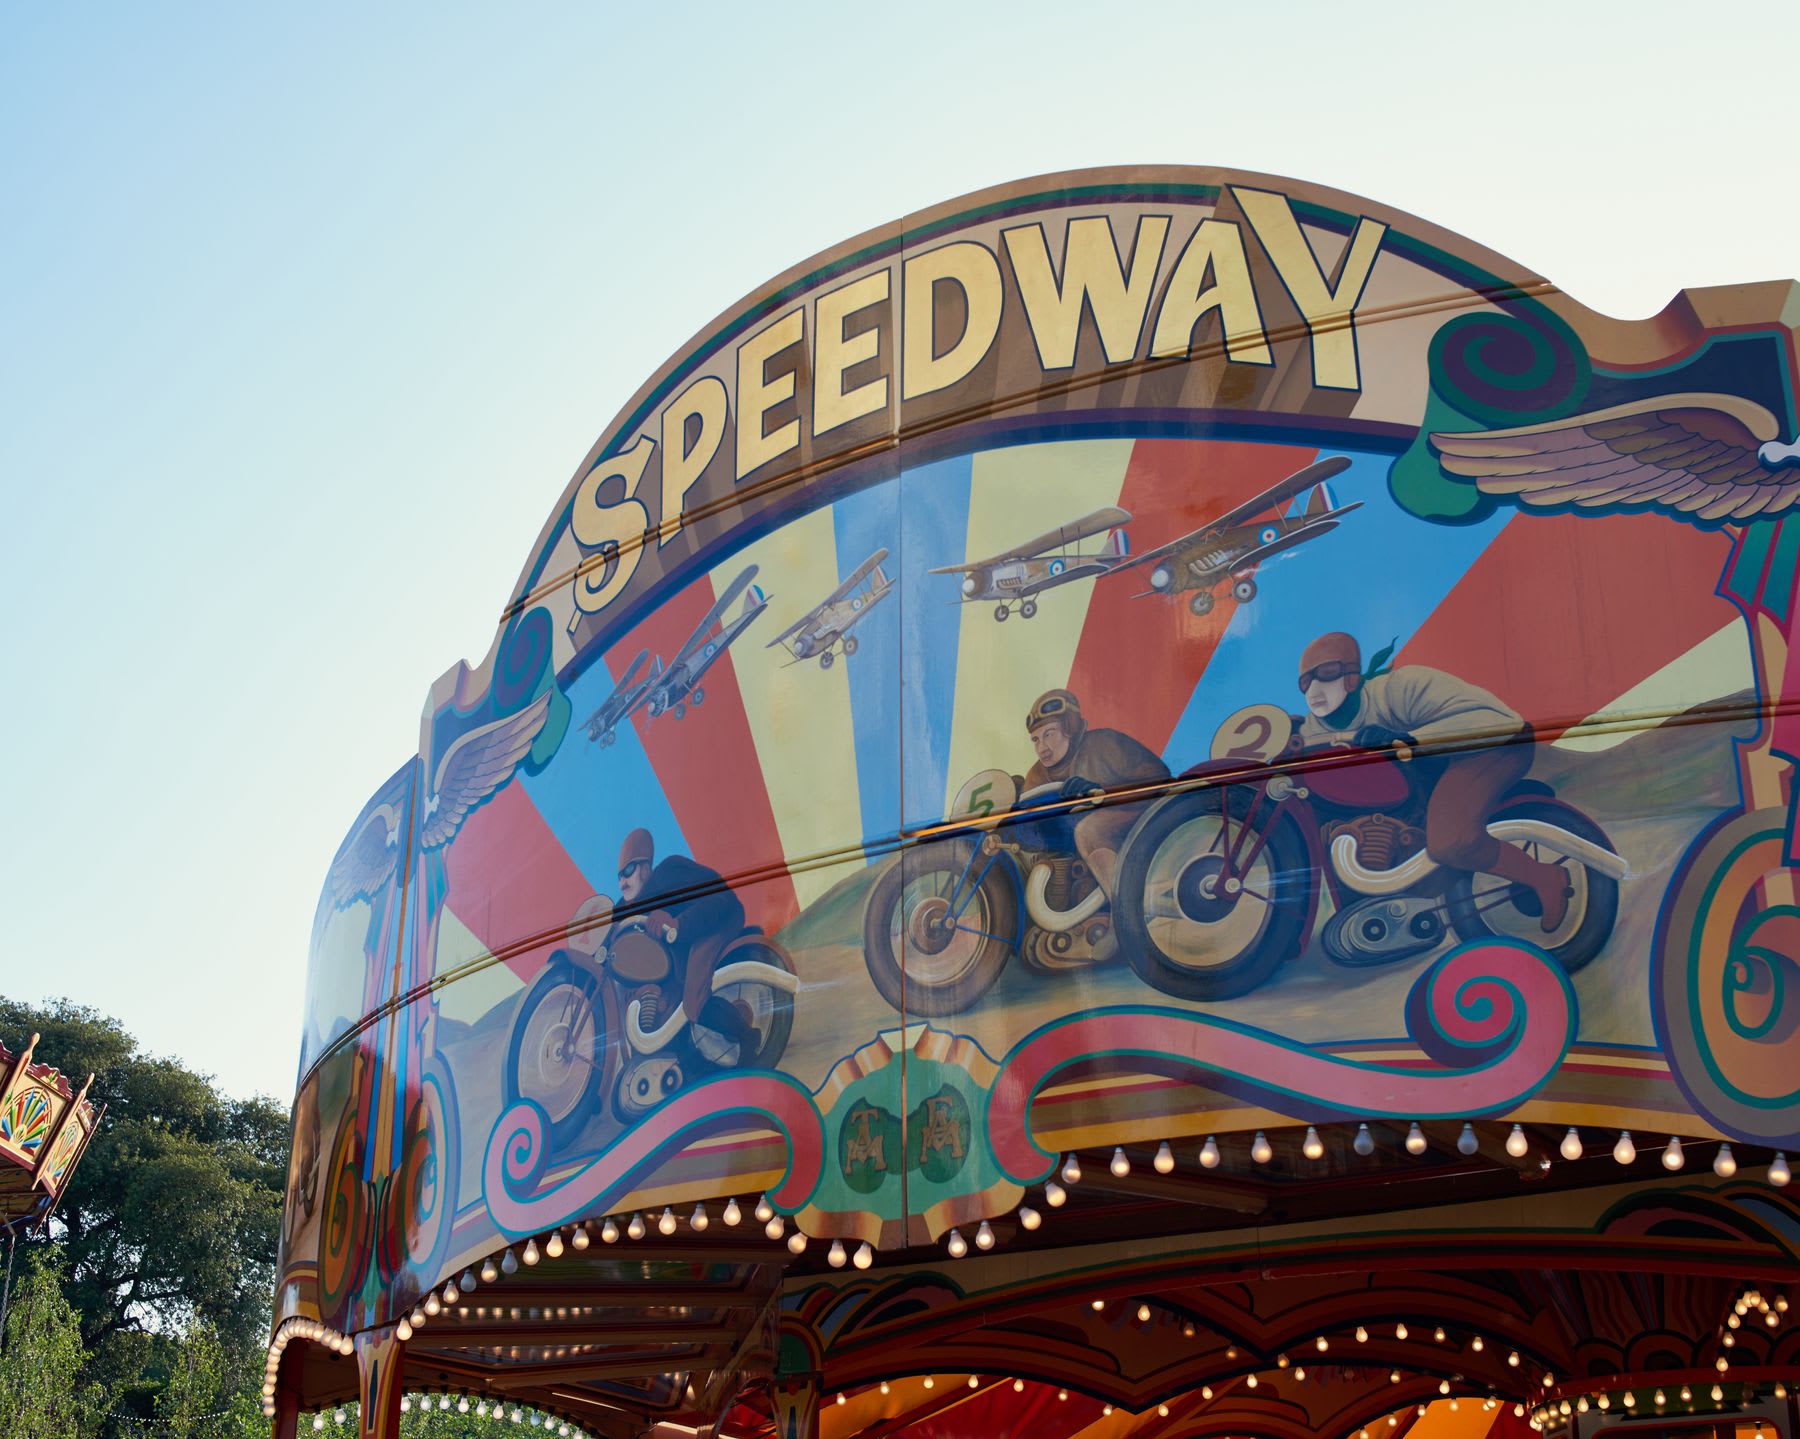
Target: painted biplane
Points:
(825, 628)
(627, 695)
(678, 686)
(1018, 575)
(1229, 548)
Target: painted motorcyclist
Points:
(689, 931)
(1081, 759)
(1413, 705)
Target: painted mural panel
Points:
(1122, 658)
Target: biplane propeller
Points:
(1229, 548)
(1015, 577)
(825, 628)
(627, 696)
(678, 686)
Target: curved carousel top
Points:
(1132, 659)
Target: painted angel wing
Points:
(476, 766)
(1696, 455)
(369, 856)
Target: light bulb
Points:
(1143, 1313)
(1672, 1157)
(1164, 1163)
(1209, 1153)
(1260, 1148)
(1517, 1143)
(636, 1228)
(1724, 1162)
(1393, 1376)
(1029, 1218)
(1779, 1173)
(1443, 1386)
(1717, 1393)
(666, 1225)
(974, 1383)
(930, 1383)
(609, 1231)
(467, 1282)
(732, 1212)
(1466, 1142)
(405, 1403)
(1206, 1391)
(840, 1398)
(865, 1255)
(1512, 1359)
(1321, 1344)
(1096, 1305)
(1400, 1330)
(884, 1386)
(532, 1252)
(797, 1242)
(1018, 1386)
(1364, 1143)
(1625, 1151)
(1071, 1170)
(403, 1330)
(1570, 1148)
(1312, 1146)
(836, 1256)
(698, 1220)
(1120, 1166)
(958, 1246)
(509, 1262)
(1250, 1380)
(984, 1236)
(481, 1410)
(555, 1247)
(433, 1306)
(1054, 1194)
(1415, 1139)
(462, 1404)
(581, 1238)
(1478, 1344)
(776, 1227)
(764, 1210)
(1362, 1335)
(1438, 1334)
(1062, 1393)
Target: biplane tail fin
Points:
(754, 600)
(1321, 502)
(1118, 544)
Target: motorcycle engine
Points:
(1381, 840)
(1381, 929)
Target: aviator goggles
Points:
(1329, 671)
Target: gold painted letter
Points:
(615, 530)
(757, 394)
(1215, 252)
(1092, 274)
(1329, 311)
(972, 268)
(682, 463)
(837, 353)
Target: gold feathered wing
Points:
(476, 766)
(1692, 454)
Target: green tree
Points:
(42, 1394)
(174, 1214)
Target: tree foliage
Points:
(42, 1392)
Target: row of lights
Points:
(499, 1412)
(290, 1330)
(1628, 1399)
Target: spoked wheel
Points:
(850, 644)
(1202, 602)
(1484, 905)
(932, 950)
(1243, 591)
(559, 1057)
(1028, 609)
(765, 1010)
(1189, 925)
(1001, 612)
(698, 697)
(827, 660)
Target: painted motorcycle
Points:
(1227, 873)
(606, 1017)
(958, 909)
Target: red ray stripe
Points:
(510, 876)
(1562, 614)
(707, 762)
(1139, 658)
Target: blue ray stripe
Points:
(592, 797)
(866, 522)
(1378, 576)
(934, 530)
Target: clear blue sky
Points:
(307, 313)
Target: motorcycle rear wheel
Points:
(770, 1009)
(923, 960)
(1593, 907)
(1180, 933)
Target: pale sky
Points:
(307, 314)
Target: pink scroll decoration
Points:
(516, 1155)
(1495, 1016)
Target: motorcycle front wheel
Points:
(1483, 906)
(930, 949)
(1188, 928)
(560, 1056)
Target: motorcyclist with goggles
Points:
(1414, 705)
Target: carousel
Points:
(1157, 801)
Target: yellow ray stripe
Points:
(1002, 667)
(1718, 666)
(478, 992)
(1439, 1421)
(799, 714)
